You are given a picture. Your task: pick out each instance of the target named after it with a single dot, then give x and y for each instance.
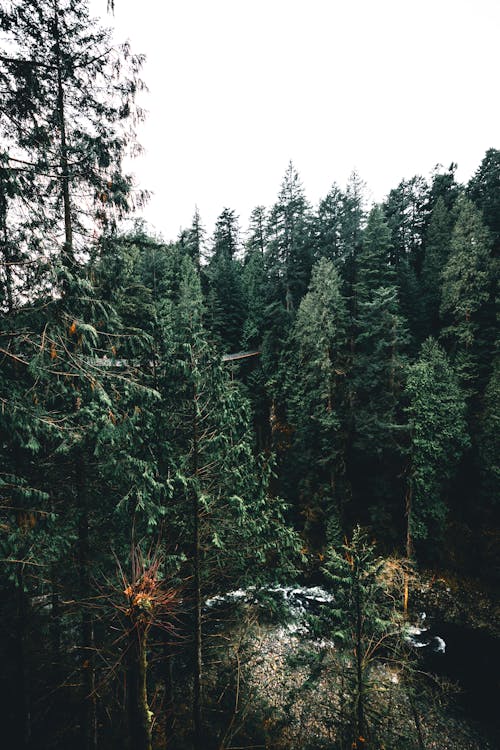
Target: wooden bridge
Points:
(239, 355)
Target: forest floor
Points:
(304, 685)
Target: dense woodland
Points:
(142, 472)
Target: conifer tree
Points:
(438, 438)
(228, 524)
(466, 301)
(289, 253)
(68, 95)
(318, 363)
(437, 248)
(489, 430)
(225, 297)
(192, 240)
(329, 225)
(366, 623)
(484, 189)
(378, 365)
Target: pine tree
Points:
(67, 99)
(192, 240)
(438, 438)
(318, 363)
(329, 225)
(381, 339)
(289, 253)
(225, 296)
(466, 303)
(65, 106)
(489, 430)
(484, 189)
(406, 212)
(227, 524)
(437, 248)
(366, 623)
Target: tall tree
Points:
(192, 240)
(438, 438)
(318, 364)
(437, 249)
(365, 621)
(289, 253)
(466, 303)
(67, 110)
(329, 225)
(484, 190)
(378, 367)
(225, 297)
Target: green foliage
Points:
(317, 365)
(484, 190)
(121, 427)
(289, 255)
(379, 356)
(438, 438)
(488, 440)
(437, 248)
(365, 624)
(466, 290)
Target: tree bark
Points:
(168, 685)
(360, 697)
(198, 660)
(23, 665)
(139, 713)
(409, 547)
(63, 145)
(89, 718)
(6, 247)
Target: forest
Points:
(194, 434)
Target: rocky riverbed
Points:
(301, 682)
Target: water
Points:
(468, 657)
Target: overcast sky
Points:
(237, 88)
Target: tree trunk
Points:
(360, 697)
(89, 718)
(409, 547)
(139, 713)
(55, 629)
(168, 684)
(6, 247)
(24, 700)
(197, 687)
(63, 146)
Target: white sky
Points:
(237, 88)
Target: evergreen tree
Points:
(443, 187)
(466, 303)
(289, 253)
(484, 190)
(437, 248)
(378, 368)
(192, 240)
(318, 363)
(254, 283)
(68, 94)
(489, 431)
(405, 211)
(329, 226)
(353, 222)
(257, 239)
(227, 523)
(366, 623)
(438, 438)
(225, 296)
